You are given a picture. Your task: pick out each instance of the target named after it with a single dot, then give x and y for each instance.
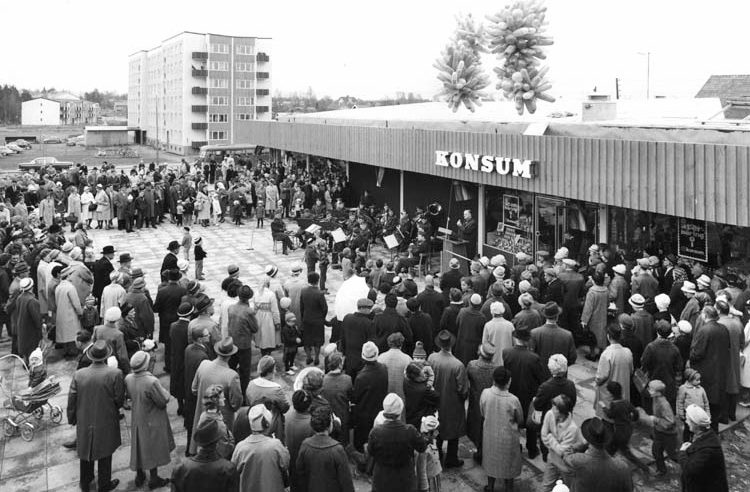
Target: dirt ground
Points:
(75, 154)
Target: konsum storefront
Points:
(655, 189)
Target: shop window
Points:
(636, 232)
(509, 222)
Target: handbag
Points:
(93, 207)
(640, 380)
(533, 417)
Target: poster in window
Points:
(691, 239)
(511, 210)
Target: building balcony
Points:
(262, 57)
(261, 109)
(198, 144)
(202, 72)
(201, 91)
(200, 55)
(262, 75)
(199, 126)
(262, 92)
(199, 108)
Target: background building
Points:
(59, 108)
(40, 111)
(198, 89)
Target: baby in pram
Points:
(38, 382)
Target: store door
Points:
(550, 220)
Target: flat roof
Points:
(198, 34)
(111, 128)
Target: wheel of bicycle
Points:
(8, 428)
(38, 413)
(27, 431)
(55, 415)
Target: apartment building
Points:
(197, 89)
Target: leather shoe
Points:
(158, 482)
(111, 486)
(454, 464)
(70, 444)
(140, 478)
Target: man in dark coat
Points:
(313, 309)
(702, 460)
(195, 353)
(96, 394)
(709, 355)
(550, 339)
(470, 323)
(496, 292)
(29, 327)
(420, 324)
(596, 470)
(170, 259)
(389, 322)
(450, 279)
(102, 268)
(168, 300)
(178, 334)
(356, 329)
(432, 303)
(206, 470)
(527, 374)
(555, 289)
(322, 464)
(661, 360)
(630, 341)
(370, 387)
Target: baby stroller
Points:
(27, 408)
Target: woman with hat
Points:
(207, 470)
(264, 389)
(702, 459)
(204, 310)
(503, 415)
(479, 373)
(144, 312)
(151, 440)
(103, 213)
(268, 316)
(68, 316)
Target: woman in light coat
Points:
(267, 314)
(594, 315)
(103, 209)
(203, 206)
(87, 198)
(69, 309)
(74, 206)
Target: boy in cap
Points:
(187, 242)
(664, 427)
(292, 339)
(200, 255)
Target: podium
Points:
(453, 248)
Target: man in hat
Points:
(645, 283)
(207, 470)
(29, 327)
(661, 360)
(643, 321)
(356, 329)
(550, 339)
(615, 364)
(170, 259)
(278, 233)
(709, 355)
(470, 322)
(667, 278)
(370, 387)
(125, 261)
(204, 310)
(233, 272)
(420, 324)
(178, 334)
(452, 383)
(554, 289)
(527, 374)
(630, 341)
(262, 461)
(573, 297)
(241, 326)
(596, 469)
(293, 289)
(213, 372)
(618, 288)
(432, 302)
(450, 279)
(395, 361)
(195, 354)
(313, 311)
(96, 394)
(102, 268)
(390, 321)
(168, 300)
(498, 331)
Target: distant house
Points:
(40, 111)
(732, 90)
(72, 110)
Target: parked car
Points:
(14, 147)
(23, 144)
(52, 140)
(43, 162)
(5, 151)
(77, 140)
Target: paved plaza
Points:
(44, 464)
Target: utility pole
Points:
(617, 88)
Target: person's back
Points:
(205, 471)
(596, 471)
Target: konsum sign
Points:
(520, 168)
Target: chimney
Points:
(598, 107)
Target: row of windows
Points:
(223, 66)
(224, 118)
(218, 135)
(240, 49)
(219, 83)
(224, 100)
(219, 48)
(243, 67)
(245, 101)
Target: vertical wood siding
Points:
(700, 181)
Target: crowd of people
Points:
(405, 373)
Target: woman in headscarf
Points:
(264, 389)
(702, 459)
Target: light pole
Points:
(648, 73)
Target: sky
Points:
(340, 48)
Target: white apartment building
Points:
(40, 111)
(197, 89)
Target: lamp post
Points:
(648, 73)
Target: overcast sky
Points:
(342, 47)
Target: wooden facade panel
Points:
(683, 179)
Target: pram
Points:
(24, 406)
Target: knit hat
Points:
(497, 308)
(524, 285)
(393, 404)
(454, 264)
(112, 314)
(557, 364)
(139, 361)
(289, 317)
(498, 272)
(419, 351)
(662, 302)
(684, 326)
(697, 415)
(370, 352)
(497, 260)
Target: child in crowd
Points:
(187, 242)
(620, 416)
(292, 339)
(665, 427)
(200, 255)
(215, 208)
(188, 211)
(690, 393)
(428, 461)
(90, 317)
(237, 212)
(260, 212)
(179, 212)
(420, 358)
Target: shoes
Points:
(140, 478)
(294, 368)
(111, 486)
(454, 464)
(533, 454)
(70, 444)
(158, 482)
(290, 373)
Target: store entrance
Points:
(550, 220)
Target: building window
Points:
(244, 101)
(219, 48)
(218, 118)
(221, 66)
(245, 83)
(244, 49)
(218, 135)
(243, 67)
(219, 83)
(244, 116)
(219, 100)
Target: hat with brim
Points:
(207, 433)
(688, 288)
(225, 347)
(108, 250)
(487, 350)
(99, 351)
(185, 310)
(551, 309)
(619, 269)
(202, 302)
(522, 334)
(445, 339)
(173, 245)
(596, 433)
(637, 301)
(125, 258)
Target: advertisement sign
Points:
(511, 210)
(691, 239)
